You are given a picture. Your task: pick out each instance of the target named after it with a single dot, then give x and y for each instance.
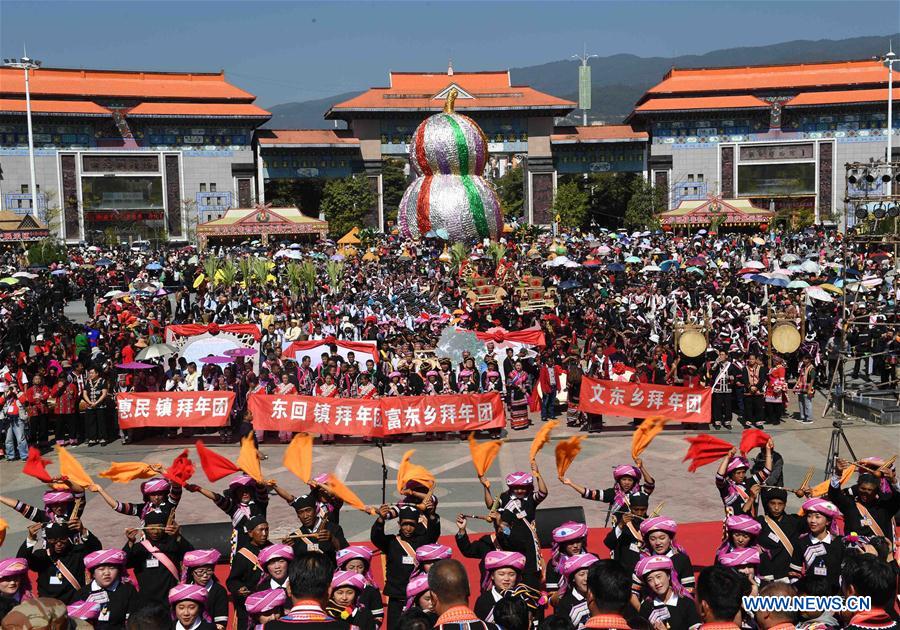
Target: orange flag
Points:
(566, 451)
(645, 433)
(820, 490)
(484, 454)
(345, 494)
(123, 472)
(412, 472)
(298, 456)
(70, 468)
(248, 458)
(541, 438)
(3, 527)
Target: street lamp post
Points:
(584, 91)
(26, 64)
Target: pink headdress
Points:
(88, 611)
(743, 523)
(737, 462)
(573, 564)
(201, 558)
(13, 566)
(626, 470)
(155, 486)
(56, 497)
(649, 564)
(188, 592)
(277, 551)
(519, 480)
(504, 559)
(567, 532)
(356, 552)
(660, 523)
(241, 481)
(104, 556)
(829, 509)
(348, 578)
(433, 552)
(740, 557)
(414, 588)
(264, 601)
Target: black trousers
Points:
(65, 426)
(754, 408)
(95, 424)
(721, 407)
(394, 610)
(40, 432)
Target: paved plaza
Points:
(687, 496)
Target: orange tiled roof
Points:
(114, 83)
(877, 95)
(597, 133)
(410, 91)
(306, 137)
(740, 101)
(204, 110)
(53, 107)
(796, 76)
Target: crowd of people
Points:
(618, 302)
(615, 306)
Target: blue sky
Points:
(293, 51)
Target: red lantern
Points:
(763, 227)
(667, 228)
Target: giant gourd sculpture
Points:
(448, 155)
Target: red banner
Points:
(356, 346)
(641, 400)
(527, 336)
(379, 417)
(174, 409)
(190, 330)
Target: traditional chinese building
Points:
(775, 136)
(261, 223)
(143, 153)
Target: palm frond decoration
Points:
(335, 271)
(308, 276)
(210, 267)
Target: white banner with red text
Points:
(381, 417)
(174, 409)
(642, 400)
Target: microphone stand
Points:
(384, 471)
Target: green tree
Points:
(346, 203)
(644, 206)
(608, 197)
(570, 204)
(511, 191)
(393, 185)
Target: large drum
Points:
(786, 338)
(692, 343)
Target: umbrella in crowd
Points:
(216, 360)
(135, 365)
(156, 351)
(240, 352)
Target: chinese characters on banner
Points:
(174, 409)
(641, 400)
(376, 418)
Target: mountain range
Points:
(617, 81)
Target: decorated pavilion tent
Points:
(18, 227)
(261, 223)
(726, 212)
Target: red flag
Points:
(181, 470)
(36, 466)
(705, 449)
(214, 465)
(753, 438)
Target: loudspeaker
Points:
(210, 536)
(548, 519)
